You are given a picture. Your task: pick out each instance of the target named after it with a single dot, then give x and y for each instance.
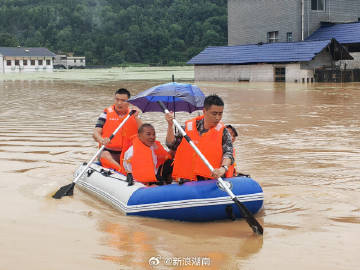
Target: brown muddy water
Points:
(300, 142)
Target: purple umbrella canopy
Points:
(177, 97)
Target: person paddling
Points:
(146, 158)
(108, 122)
(210, 136)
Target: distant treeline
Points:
(116, 32)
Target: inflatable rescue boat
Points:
(190, 201)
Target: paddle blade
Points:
(67, 190)
(253, 223)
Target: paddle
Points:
(250, 219)
(68, 190)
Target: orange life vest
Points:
(113, 120)
(187, 163)
(108, 164)
(142, 163)
(126, 145)
(232, 168)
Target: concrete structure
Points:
(19, 59)
(348, 34)
(279, 62)
(263, 23)
(76, 61)
(254, 21)
(64, 61)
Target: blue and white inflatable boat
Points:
(191, 201)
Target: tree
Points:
(116, 31)
(8, 40)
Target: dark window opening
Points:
(289, 37)
(280, 73)
(318, 5)
(273, 36)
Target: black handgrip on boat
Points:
(130, 179)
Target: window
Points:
(40, 62)
(279, 75)
(289, 37)
(8, 62)
(25, 62)
(273, 37)
(318, 5)
(32, 62)
(47, 62)
(17, 63)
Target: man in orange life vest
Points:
(106, 124)
(145, 157)
(210, 136)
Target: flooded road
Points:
(300, 142)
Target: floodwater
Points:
(300, 142)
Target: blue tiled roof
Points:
(266, 53)
(22, 51)
(344, 33)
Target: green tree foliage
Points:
(114, 32)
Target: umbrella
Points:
(177, 97)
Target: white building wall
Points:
(252, 73)
(294, 73)
(27, 68)
(1, 64)
(60, 59)
(350, 64)
(323, 59)
(75, 61)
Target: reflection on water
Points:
(170, 241)
(301, 142)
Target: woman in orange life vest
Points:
(106, 124)
(145, 157)
(210, 136)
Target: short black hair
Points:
(233, 129)
(146, 125)
(123, 91)
(213, 100)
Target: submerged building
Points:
(254, 21)
(292, 41)
(279, 62)
(348, 34)
(20, 59)
(69, 62)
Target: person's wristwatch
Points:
(225, 167)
